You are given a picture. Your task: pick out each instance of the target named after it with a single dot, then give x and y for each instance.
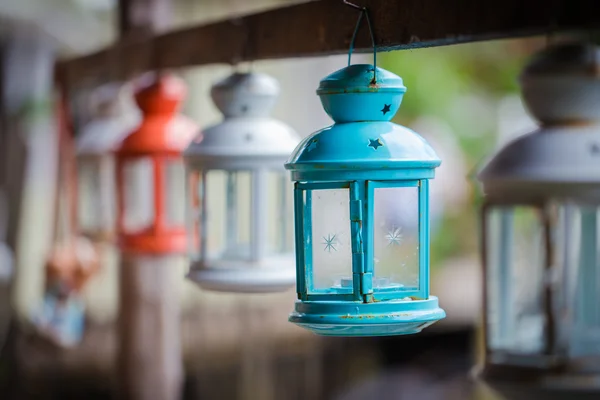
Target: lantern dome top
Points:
(362, 138)
(114, 117)
(561, 88)
(552, 161)
(160, 95)
(560, 84)
(361, 92)
(245, 94)
(161, 130)
(247, 136)
(566, 59)
(363, 146)
(359, 78)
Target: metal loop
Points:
(365, 12)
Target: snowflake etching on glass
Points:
(394, 237)
(330, 242)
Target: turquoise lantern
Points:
(361, 203)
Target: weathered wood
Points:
(325, 27)
(150, 361)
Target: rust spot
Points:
(416, 298)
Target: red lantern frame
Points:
(162, 136)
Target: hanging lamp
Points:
(150, 172)
(241, 230)
(113, 118)
(359, 272)
(541, 236)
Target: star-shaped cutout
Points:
(312, 145)
(386, 108)
(394, 237)
(375, 143)
(330, 242)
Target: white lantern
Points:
(241, 208)
(541, 227)
(113, 118)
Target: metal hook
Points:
(365, 12)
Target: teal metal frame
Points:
(361, 198)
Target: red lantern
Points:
(150, 172)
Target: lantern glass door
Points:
(228, 215)
(138, 184)
(396, 239)
(577, 252)
(194, 196)
(515, 241)
(174, 189)
(96, 194)
(89, 174)
(330, 239)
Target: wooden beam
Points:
(325, 27)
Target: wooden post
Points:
(150, 341)
(149, 356)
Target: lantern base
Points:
(384, 318)
(250, 280)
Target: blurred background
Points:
(463, 99)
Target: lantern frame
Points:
(363, 151)
(362, 228)
(246, 141)
(113, 119)
(552, 170)
(508, 357)
(160, 138)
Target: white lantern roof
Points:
(247, 137)
(561, 89)
(114, 116)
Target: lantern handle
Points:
(365, 12)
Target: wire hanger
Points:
(363, 12)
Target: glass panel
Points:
(96, 187)
(396, 238)
(89, 187)
(577, 243)
(138, 186)
(280, 209)
(228, 214)
(193, 214)
(174, 192)
(331, 240)
(515, 265)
